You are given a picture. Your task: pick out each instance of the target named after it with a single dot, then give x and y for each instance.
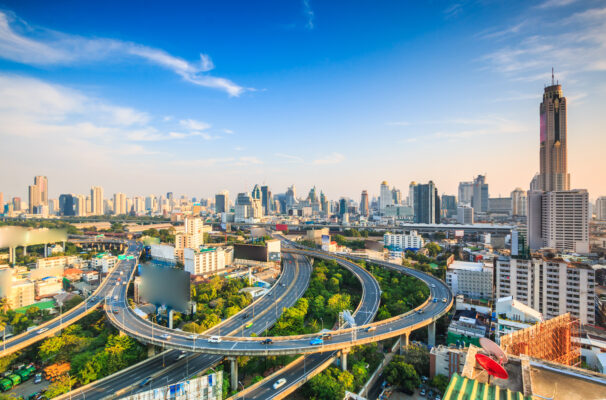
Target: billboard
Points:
(250, 252)
(168, 287)
(282, 227)
(459, 233)
(207, 387)
(325, 239)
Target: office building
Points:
(565, 220)
(600, 208)
(256, 193)
(500, 205)
(150, 203)
(385, 197)
(553, 174)
(550, 286)
(449, 206)
(479, 200)
(470, 279)
(247, 207)
(67, 206)
(513, 315)
(411, 194)
(207, 261)
(290, 197)
(465, 192)
(48, 287)
(120, 204)
(80, 205)
(104, 262)
(427, 204)
(266, 200)
(401, 242)
(222, 202)
(465, 214)
(518, 203)
(96, 200)
(364, 204)
(17, 204)
(342, 207)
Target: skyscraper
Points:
(385, 197)
(600, 208)
(479, 201)
(222, 202)
(42, 183)
(465, 192)
(342, 207)
(67, 205)
(553, 140)
(558, 217)
(96, 200)
(396, 196)
(364, 204)
(518, 202)
(34, 198)
(411, 194)
(256, 192)
(427, 204)
(266, 200)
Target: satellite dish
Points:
(493, 350)
(491, 367)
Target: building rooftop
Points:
(467, 266)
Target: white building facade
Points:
(470, 279)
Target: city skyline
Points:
(125, 108)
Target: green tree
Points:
(440, 382)
(63, 384)
(360, 373)
(402, 375)
(418, 357)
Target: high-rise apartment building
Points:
(38, 193)
(67, 206)
(464, 214)
(449, 205)
(42, 183)
(396, 195)
(34, 198)
(465, 192)
(1, 202)
(427, 204)
(385, 196)
(518, 203)
(191, 238)
(120, 204)
(96, 200)
(551, 286)
(479, 200)
(553, 140)
(80, 205)
(364, 204)
(150, 203)
(222, 202)
(600, 208)
(564, 222)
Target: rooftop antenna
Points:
(552, 76)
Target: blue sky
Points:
(148, 98)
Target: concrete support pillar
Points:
(151, 350)
(24, 251)
(11, 254)
(64, 245)
(431, 334)
(171, 313)
(234, 372)
(404, 342)
(344, 353)
(46, 249)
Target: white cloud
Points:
(334, 158)
(398, 123)
(289, 157)
(555, 3)
(45, 47)
(194, 125)
(247, 160)
(309, 15)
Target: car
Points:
(165, 336)
(444, 300)
(145, 381)
(433, 285)
(183, 354)
(192, 337)
(283, 284)
(326, 336)
(279, 383)
(267, 341)
(316, 341)
(422, 393)
(435, 300)
(38, 377)
(370, 329)
(41, 330)
(214, 339)
(420, 311)
(438, 397)
(116, 312)
(245, 316)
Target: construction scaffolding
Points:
(550, 340)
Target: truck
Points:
(6, 384)
(26, 372)
(15, 378)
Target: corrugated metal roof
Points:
(461, 388)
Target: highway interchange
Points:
(195, 353)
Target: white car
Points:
(279, 383)
(42, 330)
(214, 339)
